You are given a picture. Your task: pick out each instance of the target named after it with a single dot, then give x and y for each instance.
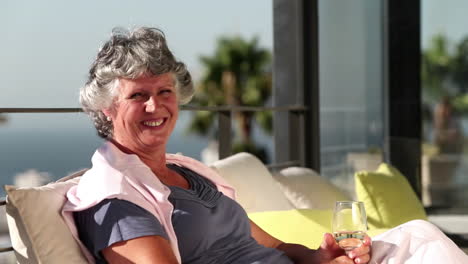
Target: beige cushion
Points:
(37, 230)
(308, 190)
(257, 191)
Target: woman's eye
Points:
(166, 92)
(136, 95)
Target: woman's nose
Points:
(151, 105)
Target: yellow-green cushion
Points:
(388, 197)
(300, 226)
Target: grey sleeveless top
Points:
(210, 227)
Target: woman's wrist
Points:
(299, 254)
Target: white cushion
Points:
(306, 189)
(37, 231)
(256, 189)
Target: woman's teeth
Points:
(153, 123)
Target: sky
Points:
(448, 17)
(47, 46)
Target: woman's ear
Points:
(107, 112)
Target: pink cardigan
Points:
(115, 174)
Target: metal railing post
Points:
(224, 134)
(296, 142)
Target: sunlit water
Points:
(56, 151)
(58, 144)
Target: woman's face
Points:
(145, 112)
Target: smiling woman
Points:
(141, 54)
(138, 204)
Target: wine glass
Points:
(349, 224)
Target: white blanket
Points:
(415, 242)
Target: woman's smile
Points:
(154, 123)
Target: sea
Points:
(46, 147)
(39, 148)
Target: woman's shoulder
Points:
(99, 180)
(115, 208)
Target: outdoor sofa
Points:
(294, 204)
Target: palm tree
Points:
(436, 67)
(237, 74)
(460, 75)
(445, 71)
(460, 66)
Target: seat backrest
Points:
(306, 189)
(256, 189)
(37, 231)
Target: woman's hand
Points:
(330, 253)
(362, 254)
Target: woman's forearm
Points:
(299, 253)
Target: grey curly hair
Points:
(129, 54)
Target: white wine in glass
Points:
(349, 224)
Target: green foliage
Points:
(436, 67)
(201, 122)
(265, 120)
(238, 69)
(460, 66)
(460, 103)
(445, 71)
(238, 73)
